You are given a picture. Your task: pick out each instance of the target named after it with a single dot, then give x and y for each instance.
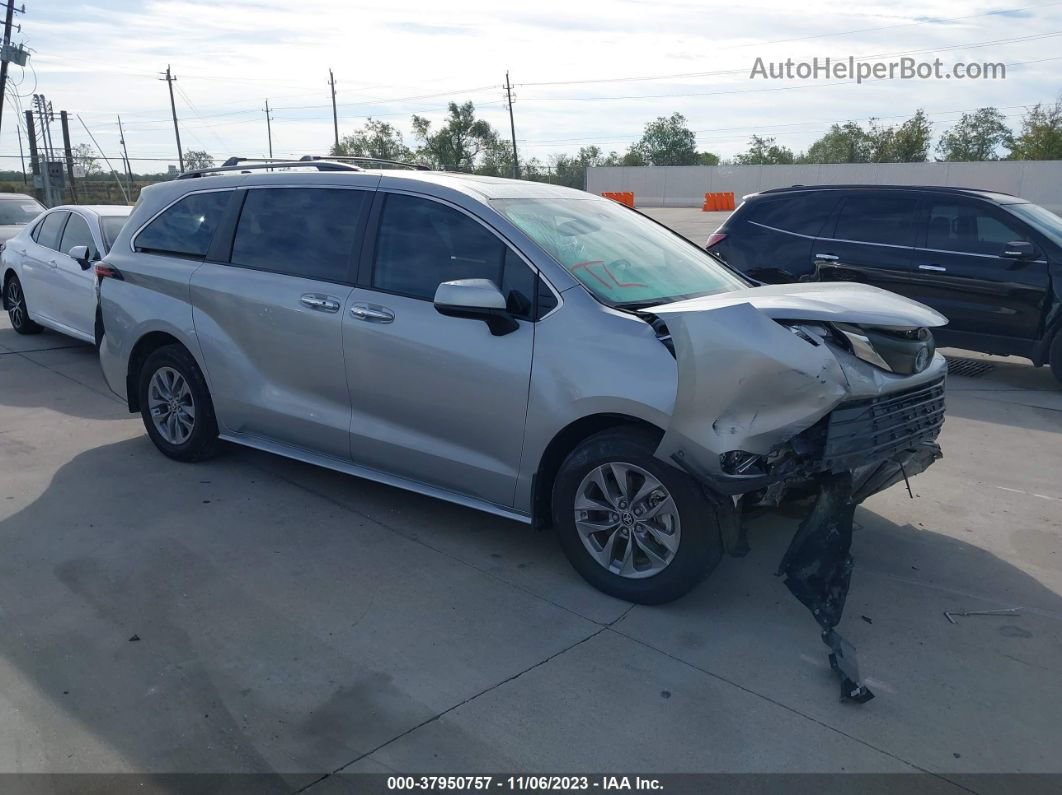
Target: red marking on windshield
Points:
(619, 283)
(587, 265)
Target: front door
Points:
(75, 287)
(438, 399)
(962, 271)
(270, 321)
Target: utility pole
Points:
(21, 157)
(335, 117)
(269, 129)
(512, 125)
(69, 155)
(7, 43)
(125, 155)
(169, 78)
(41, 104)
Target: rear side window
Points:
(77, 234)
(803, 214)
(423, 243)
(49, 229)
(306, 232)
(111, 226)
(186, 228)
(877, 219)
(968, 229)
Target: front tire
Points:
(631, 525)
(18, 314)
(175, 405)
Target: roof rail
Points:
(887, 186)
(353, 159)
(239, 164)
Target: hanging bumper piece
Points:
(817, 568)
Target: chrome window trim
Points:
(893, 245)
(508, 243)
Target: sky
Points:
(585, 71)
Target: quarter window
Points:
(77, 234)
(306, 232)
(49, 230)
(877, 219)
(186, 228)
(423, 243)
(968, 229)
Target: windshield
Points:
(111, 225)
(623, 258)
(17, 212)
(1042, 219)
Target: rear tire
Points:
(1055, 356)
(15, 298)
(175, 405)
(666, 537)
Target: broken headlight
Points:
(898, 350)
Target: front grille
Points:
(862, 431)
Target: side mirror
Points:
(1020, 250)
(80, 253)
(477, 299)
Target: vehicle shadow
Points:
(54, 372)
(161, 617)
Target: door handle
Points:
(322, 303)
(827, 257)
(372, 313)
(939, 268)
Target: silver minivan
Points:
(529, 350)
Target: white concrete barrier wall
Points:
(1039, 181)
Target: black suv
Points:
(989, 262)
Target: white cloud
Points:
(398, 57)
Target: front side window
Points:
(50, 228)
(968, 229)
(1041, 218)
(877, 219)
(306, 232)
(77, 234)
(186, 228)
(423, 243)
(620, 256)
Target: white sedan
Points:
(47, 269)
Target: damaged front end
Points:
(830, 391)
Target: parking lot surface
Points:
(254, 614)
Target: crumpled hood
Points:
(842, 302)
(746, 382)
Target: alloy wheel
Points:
(17, 301)
(171, 405)
(627, 520)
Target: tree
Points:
(975, 136)
(457, 143)
(878, 143)
(842, 143)
(375, 139)
(86, 156)
(667, 141)
(1041, 134)
(764, 151)
(909, 143)
(195, 159)
(707, 159)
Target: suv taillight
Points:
(105, 271)
(714, 238)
